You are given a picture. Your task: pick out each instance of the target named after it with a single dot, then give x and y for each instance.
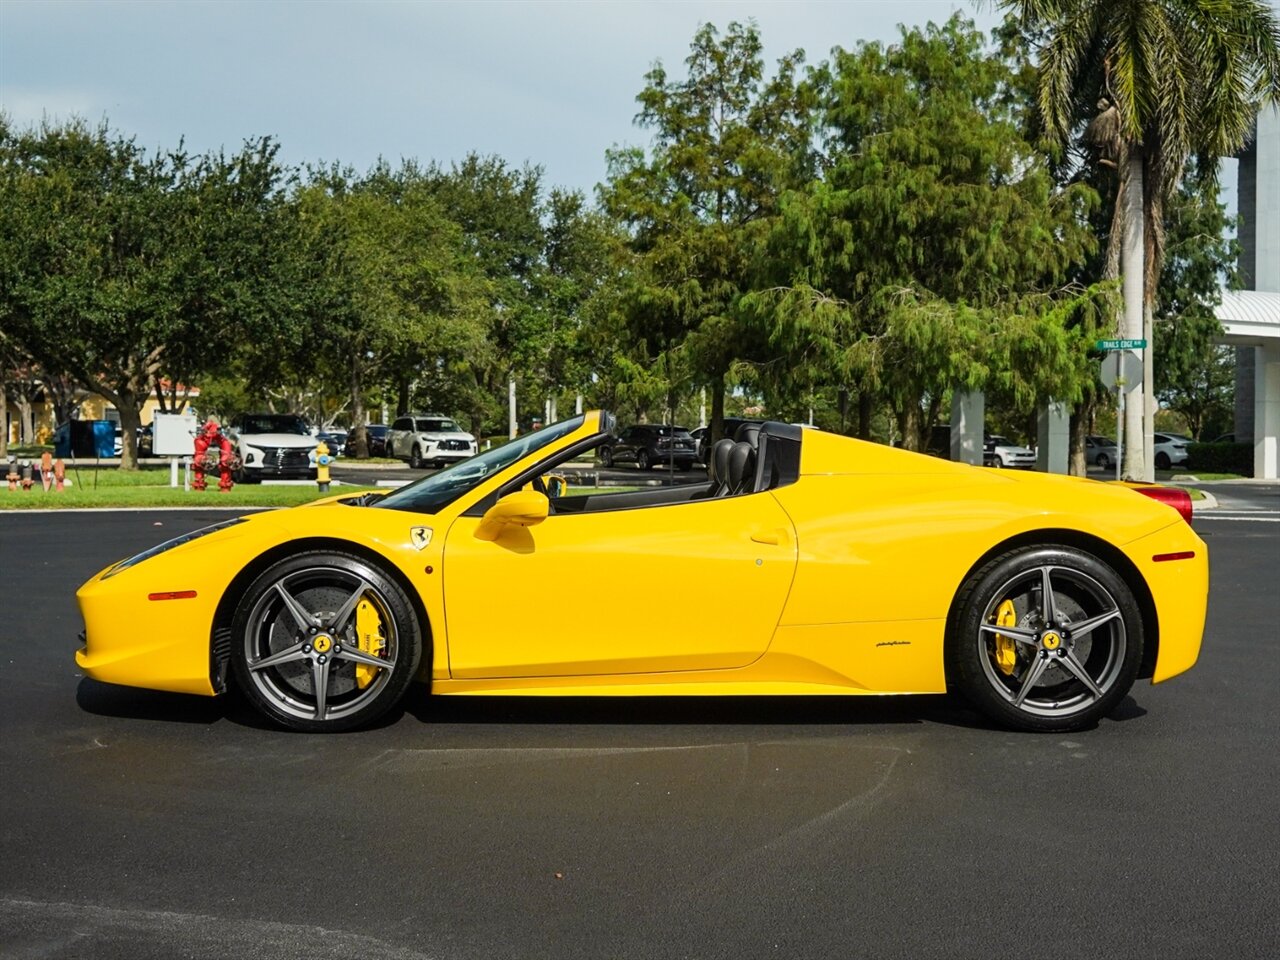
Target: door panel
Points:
(688, 586)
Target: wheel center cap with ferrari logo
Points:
(1050, 641)
(322, 643)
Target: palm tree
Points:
(1150, 83)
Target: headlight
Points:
(169, 545)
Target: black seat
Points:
(718, 467)
(742, 468)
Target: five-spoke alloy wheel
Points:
(324, 641)
(1045, 638)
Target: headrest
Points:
(718, 462)
(741, 467)
(748, 433)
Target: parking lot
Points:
(149, 825)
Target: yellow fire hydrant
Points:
(322, 460)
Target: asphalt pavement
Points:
(141, 825)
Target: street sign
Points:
(1121, 344)
(1121, 370)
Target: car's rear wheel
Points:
(1104, 461)
(324, 641)
(1045, 638)
(606, 457)
(642, 460)
(1162, 461)
(415, 458)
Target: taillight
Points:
(1175, 497)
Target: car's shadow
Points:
(108, 700)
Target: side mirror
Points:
(557, 486)
(524, 508)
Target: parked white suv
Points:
(427, 439)
(273, 445)
(1170, 450)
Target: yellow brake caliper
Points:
(371, 641)
(1006, 648)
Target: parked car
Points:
(1101, 451)
(649, 444)
(375, 435)
(272, 446)
(1002, 452)
(429, 439)
(700, 435)
(850, 567)
(1225, 438)
(1170, 451)
(335, 438)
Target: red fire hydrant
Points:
(213, 452)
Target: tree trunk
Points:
(1153, 255)
(865, 409)
(402, 398)
(1081, 418)
(357, 411)
(717, 410)
(909, 424)
(1133, 283)
(4, 423)
(130, 420)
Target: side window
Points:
(401, 424)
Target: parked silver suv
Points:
(429, 439)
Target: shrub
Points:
(1221, 458)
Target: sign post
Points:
(1121, 371)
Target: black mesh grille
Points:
(219, 658)
(454, 445)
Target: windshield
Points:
(439, 490)
(437, 426)
(275, 423)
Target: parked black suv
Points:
(648, 444)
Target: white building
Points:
(1251, 317)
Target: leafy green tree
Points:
(125, 262)
(1156, 82)
(933, 252)
(391, 288)
(1194, 377)
(499, 211)
(726, 143)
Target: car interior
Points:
(758, 458)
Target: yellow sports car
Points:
(823, 564)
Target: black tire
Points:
(997, 462)
(415, 459)
(325, 586)
(606, 456)
(684, 466)
(642, 459)
(1097, 630)
(1104, 461)
(1162, 461)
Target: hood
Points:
(291, 440)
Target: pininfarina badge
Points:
(420, 536)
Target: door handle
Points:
(771, 537)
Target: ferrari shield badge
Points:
(420, 537)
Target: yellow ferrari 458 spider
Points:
(819, 564)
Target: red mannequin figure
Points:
(213, 452)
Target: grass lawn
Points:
(149, 487)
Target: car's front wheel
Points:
(1104, 461)
(1045, 638)
(324, 641)
(415, 458)
(606, 457)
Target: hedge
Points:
(1221, 458)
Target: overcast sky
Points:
(551, 83)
